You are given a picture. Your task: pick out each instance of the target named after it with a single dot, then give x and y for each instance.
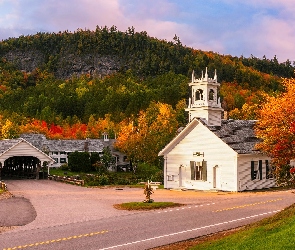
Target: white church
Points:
(212, 153)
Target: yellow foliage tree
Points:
(9, 130)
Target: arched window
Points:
(199, 95)
(211, 95)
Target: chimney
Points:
(86, 146)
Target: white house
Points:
(211, 153)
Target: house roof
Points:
(237, 134)
(40, 142)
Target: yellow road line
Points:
(247, 205)
(56, 240)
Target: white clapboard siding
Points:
(23, 148)
(244, 173)
(216, 153)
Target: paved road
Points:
(71, 217)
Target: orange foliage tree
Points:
(251, 109)
(276, 128)
(78, 130)
(142, 139)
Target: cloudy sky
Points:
(235, 27)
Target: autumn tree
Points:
(143, 138)
(276, 128)
(9, 130)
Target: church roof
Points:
(238, 134)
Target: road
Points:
(70, 217)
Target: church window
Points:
(199, 95)
(170, 177)
(256, 170)
(198, 170)
(211, 95)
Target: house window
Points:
(63, 160)
(56, 160)
(55, 153)
(63, 153)
(256, 170)
(198, 170)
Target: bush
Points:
(146, 172)
(79, 162)
(95, 159)
(96, 180)
(64, 167)
(103, 180)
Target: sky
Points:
(228, 27)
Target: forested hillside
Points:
(66, 81)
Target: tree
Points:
(9, 130)
(276, 127)
(142, 139)
(107, 158)
(79, 162)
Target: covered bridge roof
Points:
(40, 142)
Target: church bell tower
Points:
(204, 102)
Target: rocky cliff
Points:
(65, 65)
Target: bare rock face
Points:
(26, 60)
(96, 65)
(65, 65)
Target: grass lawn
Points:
(145, 205)
(60, 172)
(274, 233)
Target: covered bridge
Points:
(20, 159)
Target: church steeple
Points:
(204, 102)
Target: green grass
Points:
(146, 206)
(276, 232)
(60, 172)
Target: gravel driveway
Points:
(45, 203)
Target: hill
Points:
(65, 76)
(107, 50)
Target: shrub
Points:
(103, 180)
(96, 180)
(95, 159)
(146, 172)
(64, 167)
(79, 162)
